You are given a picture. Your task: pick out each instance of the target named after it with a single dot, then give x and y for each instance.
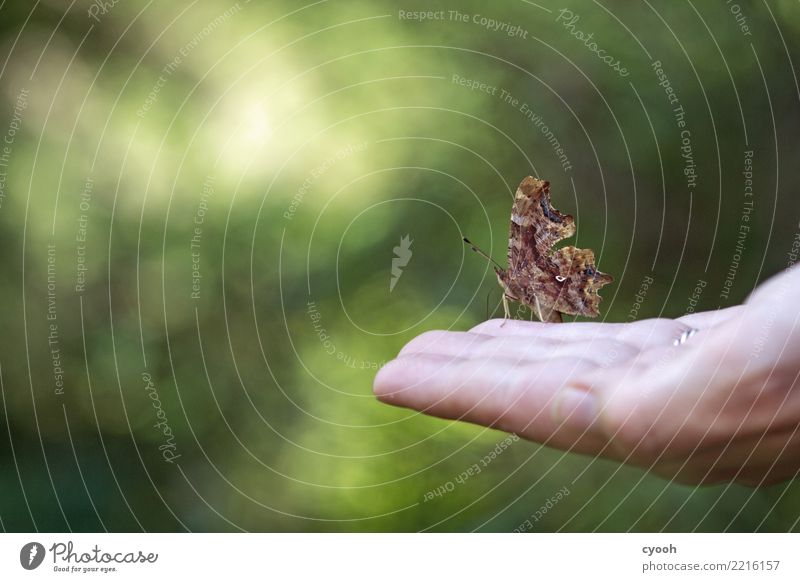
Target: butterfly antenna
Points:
(481, 253)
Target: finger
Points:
(643, 334)
(456, 343)
(539, 329)
(603, 352)
(707, 319)
(513, 397)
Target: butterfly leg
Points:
(536, 308)
(547, 316)
(506, 310)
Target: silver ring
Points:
(684, 336)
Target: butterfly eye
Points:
(589, 272)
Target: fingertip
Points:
(385, 384)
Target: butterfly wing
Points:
(566, 280)
(535, 225)
(579, 282)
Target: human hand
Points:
(722, 406)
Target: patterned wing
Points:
(564, 281)
(535, 226)
(579, 282)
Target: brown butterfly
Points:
(551, 283)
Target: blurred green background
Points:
(200, 203)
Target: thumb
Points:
(637, 409)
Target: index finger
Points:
(643, 334)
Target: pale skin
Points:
(723, 406)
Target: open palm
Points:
(722, 405)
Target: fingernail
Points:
(575, 408)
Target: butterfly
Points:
(550, 282)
